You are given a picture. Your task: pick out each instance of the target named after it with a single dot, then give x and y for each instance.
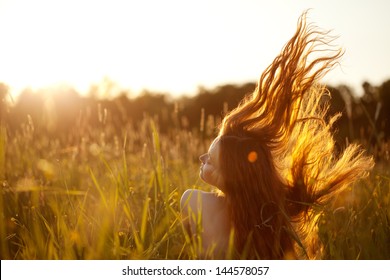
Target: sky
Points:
(175, 46)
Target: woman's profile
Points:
(274, 162)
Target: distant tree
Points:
(367, 116)
(384, 92)
(214, 103)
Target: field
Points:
(100, 193)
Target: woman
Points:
(274, 162)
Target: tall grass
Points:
(101, 194)
(357, 226)
(108, 197)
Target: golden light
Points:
(139, 44)
(172, 46)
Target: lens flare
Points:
(252, 156)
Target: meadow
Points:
(98, 192)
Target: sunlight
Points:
(45, 48)
(80, 43)
(172, 46)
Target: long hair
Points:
(278, 156)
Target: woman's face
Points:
(210, 168)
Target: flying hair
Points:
(278, 155)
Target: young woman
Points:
(274, 162)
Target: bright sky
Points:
(175, 46)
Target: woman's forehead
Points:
(214, 145)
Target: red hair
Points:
(277, 152)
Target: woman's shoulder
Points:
(198, 199)
(204, 214)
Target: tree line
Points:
(62, 111)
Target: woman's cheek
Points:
(203, 173)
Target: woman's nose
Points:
(202, 158)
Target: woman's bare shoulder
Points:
(197, 199)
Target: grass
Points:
(100, 194)
(358, 224)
